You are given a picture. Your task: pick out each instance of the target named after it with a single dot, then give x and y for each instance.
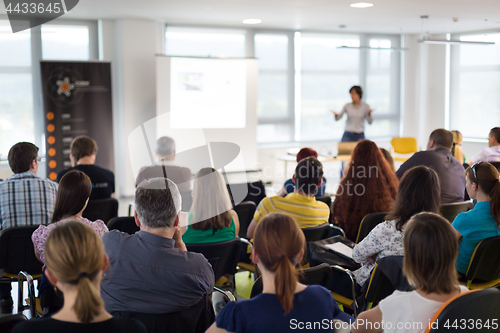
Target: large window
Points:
(474, 86)
(303, 76)
(20, 54)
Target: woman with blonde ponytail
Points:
(75, 261)
(285, 304)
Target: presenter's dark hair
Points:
(488, 182)
(21, 155)
(72, 194)
(495, 132)
(308, 174)
(83, 146)
(358, 91)
(421, 180)
(279, 242)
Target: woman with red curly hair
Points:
(368, 186)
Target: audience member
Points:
(388, 158)
(368, 186)
(492, 153)
(165, 167)
(289, 186)
(211, 218)
(429, 265)
(151, 271)
(75, 261)
(301, 204)
(483, 221)
(278, 247)
(386, 239)
(456, 149)
(72, 198)
(83, 152)
(25, 199)
(438, 157)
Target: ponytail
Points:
(88, 303)
(495, 203)
(285, 282)
(487, 178)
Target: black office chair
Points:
(102, 209)
(473, 311)
(317, 233)
(17, 255)
(196, 319)
(318, 275)
(245, 211)
(369, 222)
(328, 201)
(125, 224)
(496, 165)
(255, 191)
(484, 266)
(8, 322)
(451, 210)
(223, 256)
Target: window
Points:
(474, 86)
(65, 42)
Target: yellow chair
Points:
(404, 146)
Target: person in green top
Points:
(211, 219)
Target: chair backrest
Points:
(485, 261)
(223, 256)
(379, 285)
(17, 252)
(196, 319)
(369, 222)
(404, 145)
(8, 322)
(255, 191)
(496, 165)
(317, 233)
(125, 224)
(326, 199)
(245, 211)
(318, 275)
(474, 308)
(102, 209)
(451, 210)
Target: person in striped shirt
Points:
(301, 204)
(25, 199)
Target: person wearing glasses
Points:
(25, 199)
(483, 221)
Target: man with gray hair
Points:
(151, 271)
(165, 167)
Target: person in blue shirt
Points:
(285, 304)
(483, 221)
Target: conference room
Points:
(348, 121)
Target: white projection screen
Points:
(202, 100)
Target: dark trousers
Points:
(352, 137)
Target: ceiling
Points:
(386, 16)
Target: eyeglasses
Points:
(473, 167)
(38, 159)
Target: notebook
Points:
(340, 248)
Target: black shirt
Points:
(49, 325)
(103, 180)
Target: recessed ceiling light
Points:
(252, 21)
(361, 5)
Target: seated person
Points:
(429, 265)
(151, 271)
(456, 149)
(211, 218)
(386, 239)
(368, 186)
(75, 260)
(72, 198)
(82, 156)
(278, 247)
(301, 204)
(165, 167)
(483, 221)
(492, 153)
(289, 186)
(388, 158)
(438, 157)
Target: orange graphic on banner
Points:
(51, 140)
(50, 115)
(53, 176)
(52, 152)
(52, 164)
(51, 128)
